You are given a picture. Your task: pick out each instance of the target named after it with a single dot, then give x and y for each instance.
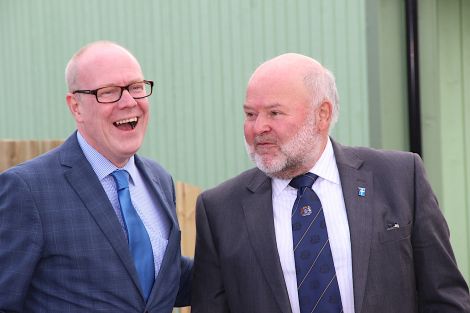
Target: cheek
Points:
(248, 130)
(145, 111)
(93, 120)
(144, 106)
(284, 134)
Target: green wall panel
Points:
(445, 90)
(464, 248)
(200, 54)
(386, 51)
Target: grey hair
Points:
(323, 88)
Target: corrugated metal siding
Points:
(464, 249)
(200, 53)
(445, 72)
(386, 63)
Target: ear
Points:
(74, 106)
(324, 115)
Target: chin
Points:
(269, 166)
(128, 150)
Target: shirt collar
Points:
(101, 165)
(325, 168)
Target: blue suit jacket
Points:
(62, 248)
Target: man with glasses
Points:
(91, 226)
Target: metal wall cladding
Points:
(445, 93)
(200, 55)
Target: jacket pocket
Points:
(395, 234)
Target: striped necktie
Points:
(317, 285)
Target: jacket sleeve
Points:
(183, 298)
(440, 285)
(20, 240)
(208, 294)
(184, 294)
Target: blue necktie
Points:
(139, 241)
(317, 285)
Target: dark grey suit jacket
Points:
(407, 270)
(62, 248)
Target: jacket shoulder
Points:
(153, 166)
(373, 158)
(236, 186)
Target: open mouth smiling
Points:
(124, 124)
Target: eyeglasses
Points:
(112, 94)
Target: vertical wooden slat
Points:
(186, 196)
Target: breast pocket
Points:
(395, 234)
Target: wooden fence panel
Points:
(14, 152)
(186, 196)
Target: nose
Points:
(126, 99)
(261, 125)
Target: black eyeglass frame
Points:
(95, 91)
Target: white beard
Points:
(292, 155)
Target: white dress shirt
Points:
(328, 189)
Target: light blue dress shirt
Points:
(154, 218)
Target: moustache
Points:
(265, 139)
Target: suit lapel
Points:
(156, 187)
(174, 236)
(83, 180)
(258, 211)
(360, 215)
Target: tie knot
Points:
(121, 177)
(305, 180)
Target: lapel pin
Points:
(306, 210)
(361, 192)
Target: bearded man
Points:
(318, 226)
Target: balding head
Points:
(299, 71)
(291, 64)
(86, 57)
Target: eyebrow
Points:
(270, 106)
(130, 83)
